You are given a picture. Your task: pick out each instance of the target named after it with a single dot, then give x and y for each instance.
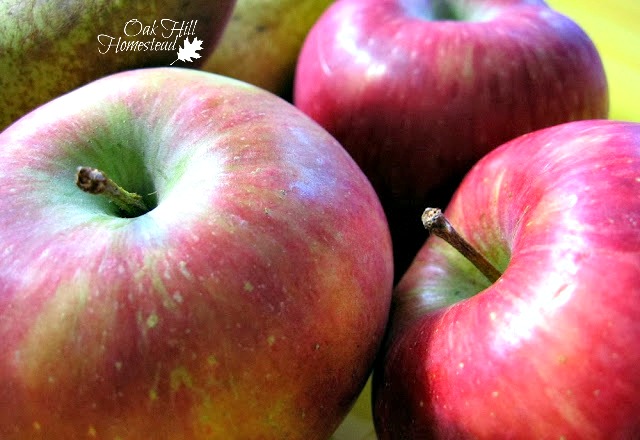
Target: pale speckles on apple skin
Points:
(184, 271)
(152, 320)
(177, 297)
(143, 336)
(572, 245)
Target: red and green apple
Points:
(417, 91)
(549, 350)
(244, 294)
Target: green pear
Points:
(262, 42)
(48, 48)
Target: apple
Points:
(549, 350)
(418, 91)
(262, 42)
(236, 284)
(48, 48)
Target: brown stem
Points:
(94, 181)
(436, 223)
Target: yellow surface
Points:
(614, 27)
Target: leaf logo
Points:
(189, 50)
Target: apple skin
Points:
(551, 349)
(250, 302)
(262, 41)
(417, 100)
(49, 48)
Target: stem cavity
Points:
(436, 223)
(94, 181)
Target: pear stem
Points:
(436, 223)
(94, 181)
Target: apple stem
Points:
(94, 181)
(436, 223)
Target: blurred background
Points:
(614, 27)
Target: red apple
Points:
(247, 300)
(418, 91)
(551, 349)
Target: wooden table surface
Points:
(614, 27)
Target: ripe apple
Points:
(418, 91)
(48, 48)
(262, 42)
(246, 299)
(551, 349)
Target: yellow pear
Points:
(262, 41)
